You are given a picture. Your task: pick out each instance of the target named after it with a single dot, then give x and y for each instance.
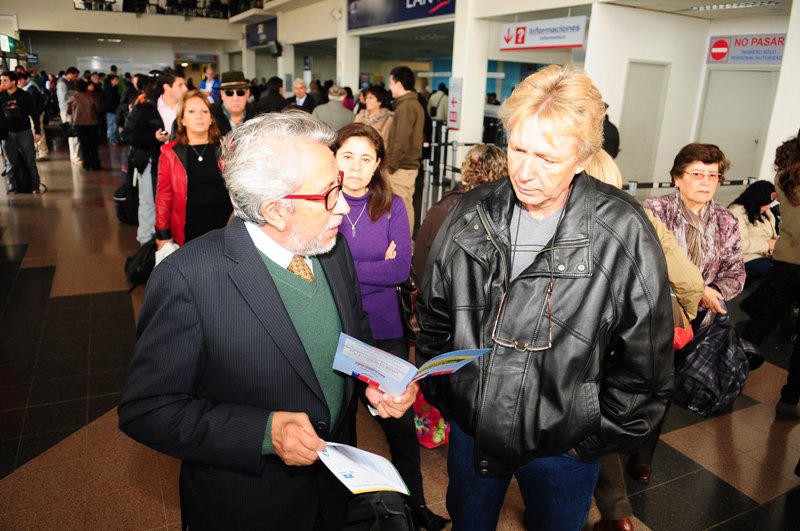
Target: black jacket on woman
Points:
(140, 133)
(602, 386)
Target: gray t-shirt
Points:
(529, 236)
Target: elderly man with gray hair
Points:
(232, 368)
(334, 113)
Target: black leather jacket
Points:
(602, 386)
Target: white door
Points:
(736, 111)
(640, 122)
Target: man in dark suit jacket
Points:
(301, 99)
(232, 367)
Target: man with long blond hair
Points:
(562, 277)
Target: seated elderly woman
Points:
(756, 227)
(707, 231)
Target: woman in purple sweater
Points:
(377, 231)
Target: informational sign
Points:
(762, 49)
(32, 58)
(564, 32)
(8, 44)
(454, 105)
(366, 13)
(261, 34)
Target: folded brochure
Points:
(361, 471)
(389, 372)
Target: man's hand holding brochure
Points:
(390, 373)
(387, 375)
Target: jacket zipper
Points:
(488, 368)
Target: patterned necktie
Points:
(299, 267)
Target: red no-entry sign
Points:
(719, 50)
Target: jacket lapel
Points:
(255, 284)
(182, 152)
(340, 289)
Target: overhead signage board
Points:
(197, 57)
(32, 58)
(454, 104)
(366, 13)
(260, 34)
(761, 49)
(564, 32)
(8, 44)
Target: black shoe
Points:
(427, 519)
(755, 361)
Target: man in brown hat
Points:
(233, 109)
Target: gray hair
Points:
(256, 159)
(299, 80)
(337, 92)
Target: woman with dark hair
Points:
(376, 230)
(707, 231)
(348, 102)
(773, 299)
(191, 198)
(84, 108)
(272, 99)
(709, 235)
(376, 112)
(756, 227)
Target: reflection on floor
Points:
(66, 337)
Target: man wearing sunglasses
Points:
(234, 108)
(232, 368)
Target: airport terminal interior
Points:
(68, 315)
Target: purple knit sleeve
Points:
(391, 272)
(731, 274)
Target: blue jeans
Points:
(557, 491)
(111, 127)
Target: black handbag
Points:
(407, 294)
(712, 369)
(126, 201)
(67, 129)
(139, 266)
(378, 511)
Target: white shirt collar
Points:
(275, 252)
(168, 114)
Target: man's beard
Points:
(310, 245)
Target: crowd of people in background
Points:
(515, 215)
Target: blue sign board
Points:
(262, 33)
(366, 13)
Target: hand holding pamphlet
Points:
(361, 471)
(390, 373)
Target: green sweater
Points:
(313, 312)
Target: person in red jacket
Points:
(191, 198)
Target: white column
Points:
(348, 52)
(785, 119)
(470, 60)
(286, 60)
(248, 61)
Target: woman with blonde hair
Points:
(484, 163)
(191, 198)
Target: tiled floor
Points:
(66, 335)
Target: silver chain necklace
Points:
(353, 225)
(199, 155)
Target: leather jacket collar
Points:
(487, 229)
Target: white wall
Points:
(785, 118)
(266, 65)
(488, 8)
(60, 15)
(58, 51)
(306, 24)
(322, 68)
(618, 35)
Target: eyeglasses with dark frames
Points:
(515, 343)
(329, 198)
(238, 92)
